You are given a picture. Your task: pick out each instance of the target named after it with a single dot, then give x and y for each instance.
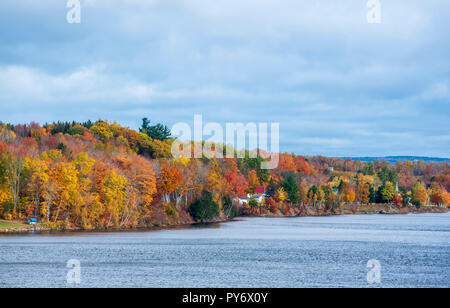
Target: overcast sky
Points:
(337, 85)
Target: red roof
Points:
(259, 189)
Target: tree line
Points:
(103, 175)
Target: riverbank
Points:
(391, 209)
(350, 209)
(7, 227)
(303, 211)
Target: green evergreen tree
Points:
(158, 131)
(291, 188)
(205, 208)
(368, 169)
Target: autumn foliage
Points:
(103, 175)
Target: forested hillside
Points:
(102, 175)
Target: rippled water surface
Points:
(413, 250)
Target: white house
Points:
(259, 196)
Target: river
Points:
(412, 251)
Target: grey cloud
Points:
(338, 85)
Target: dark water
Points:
(413, 250)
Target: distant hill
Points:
(394, 159)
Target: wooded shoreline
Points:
(305, 211)
(103, 176)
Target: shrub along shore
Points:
(347, 209)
